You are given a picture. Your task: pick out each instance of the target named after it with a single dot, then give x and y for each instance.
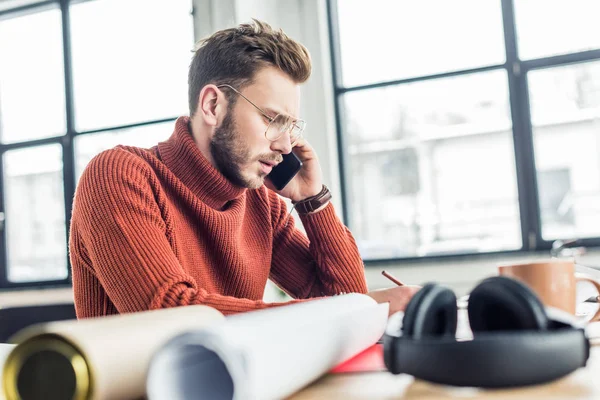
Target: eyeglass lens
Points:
(283, 124)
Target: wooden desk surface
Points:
(581, 384)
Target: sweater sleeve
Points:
(121, 230)
(323, 262)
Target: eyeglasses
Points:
(278, 126)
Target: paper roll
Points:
(99, 358)
(266, 354)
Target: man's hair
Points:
(234, 56)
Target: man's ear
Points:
(212, 105)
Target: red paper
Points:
(369, 360)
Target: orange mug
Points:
(554, 281)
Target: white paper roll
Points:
(267, 354)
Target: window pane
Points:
(137, 69)
(432, 167)
(565, 111)
(35, 214)
(89, 145)
(32, 89)
(548, 28)
(384, 40)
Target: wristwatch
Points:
(313, 203)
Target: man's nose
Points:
(283, 144)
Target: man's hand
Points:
(309, 180)
(398, 297)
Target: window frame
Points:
(516, 71)
(66, 141)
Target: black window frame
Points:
(66, 141)
(516, 70)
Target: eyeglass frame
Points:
(271, 119)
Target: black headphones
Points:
(515, 342)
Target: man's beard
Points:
(230, 154)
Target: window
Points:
(135, 71)
(548, 28)
(76, 78)
(403, 39)
(463, 135)
(35, 214)
(32, 97)
(565, 114)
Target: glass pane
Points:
(32, 88)
(431, 167)
(384, 40)
(565, 111)
(548, 28)
(89, 145)
(136, 70)
(35, 214)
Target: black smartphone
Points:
(283, 173)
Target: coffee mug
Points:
(554, 281)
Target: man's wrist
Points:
(313, 203)
(309, 195)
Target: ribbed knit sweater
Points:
(161, 227)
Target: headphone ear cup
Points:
(504, 304)
(430, 312)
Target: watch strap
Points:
(313, 203)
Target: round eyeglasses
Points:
(284, 124)
(279, 125)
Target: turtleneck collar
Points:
(183, 157)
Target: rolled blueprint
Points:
(266, 354)
(99, 358)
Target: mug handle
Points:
(581, 277)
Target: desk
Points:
(581, 384)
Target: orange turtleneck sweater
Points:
(161, 227)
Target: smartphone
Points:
(283, 173)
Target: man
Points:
(194, 220)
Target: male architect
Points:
(192, 220)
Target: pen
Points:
(391, 278)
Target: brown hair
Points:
(233, 56)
